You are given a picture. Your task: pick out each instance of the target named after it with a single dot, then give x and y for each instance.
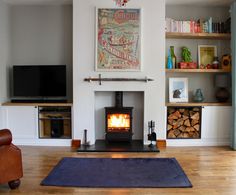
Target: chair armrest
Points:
(5, 137)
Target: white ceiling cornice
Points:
(38, 2)
(200, 2)
(168, 2)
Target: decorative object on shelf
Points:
(121, 3)
(222, 82)
(198, 96)
(226, 62)
(151, 134)
(86, 142)
(178, 89)
(173, 57)
(186, 55)
(100, 79)
(169, 61)
(206, 54)
(56, 126)
(187, 62)
(187, 65)
(118, 39)
(215, 63)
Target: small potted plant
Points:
(187, 61)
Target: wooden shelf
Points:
(198, 104)
(36, 104)
(220, 36)
(197, 71)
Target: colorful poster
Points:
(118, 40)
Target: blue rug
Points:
(118, 172)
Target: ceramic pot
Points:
(198, 97)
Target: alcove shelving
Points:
(211, 122)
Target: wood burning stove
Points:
(118, 121)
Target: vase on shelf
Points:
(222, 84)
(198, 96)
(169, 61)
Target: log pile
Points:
(183, 123)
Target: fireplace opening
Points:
(118, 121)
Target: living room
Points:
(63, 32)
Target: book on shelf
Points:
(198, 26)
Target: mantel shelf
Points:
(177, 35)
(197, 71)
(198, 104)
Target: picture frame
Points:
(206, 54)
(178, 89)
(118, 39)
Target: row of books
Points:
(199, 26)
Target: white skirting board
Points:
(176, 143)
(42, 142)
(198, 142)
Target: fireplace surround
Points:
(134, 141)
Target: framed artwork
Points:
(206, 54)
(118, 39)
(178, 89)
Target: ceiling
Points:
(168, 2)
(200, 2)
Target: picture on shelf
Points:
(178, 89)
(118, 39)
(206, 54)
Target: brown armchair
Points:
(10, 160)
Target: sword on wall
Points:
(100, 79)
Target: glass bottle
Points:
(169, 61)
(215, 63)
(173, 57)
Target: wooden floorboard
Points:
(211, 170)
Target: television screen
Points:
(39, 81)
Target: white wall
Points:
(4, 50)
(42, 35)
(4, 57)
(153, 52)
(190, 12)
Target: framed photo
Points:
(178, 89)
(118, 39)
(206, 53)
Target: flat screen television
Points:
(39, 83)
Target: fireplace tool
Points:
(151, 134)
(86, 142)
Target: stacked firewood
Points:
(183, 122)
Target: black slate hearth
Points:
(103, 146)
